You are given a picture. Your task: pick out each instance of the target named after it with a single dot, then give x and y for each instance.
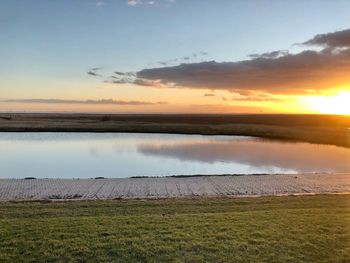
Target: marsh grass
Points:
(323, 129)
(267, 229)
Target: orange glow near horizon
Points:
(339, 104)
(184, 101)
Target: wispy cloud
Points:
(100, 102)
(94, 72)
(195, 57)
(277, 72)
(101, 3)
(96, 69)
(119, 77)
(134, 2)
(257, 97)
(273, 54)
(163, 3)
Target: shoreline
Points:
(319, 129)
(174, 187)
(183, 198)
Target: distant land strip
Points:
(320, 129)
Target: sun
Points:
(339, 104)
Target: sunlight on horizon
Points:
(338, 104)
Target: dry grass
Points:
(323, 129)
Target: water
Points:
(89, 155)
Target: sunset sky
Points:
(175, 56)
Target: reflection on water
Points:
(300, 157)
(86, 155)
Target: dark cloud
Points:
(209, 95)
(122, 78)
(119, 77)
(163, 63)
(93, 73)
(102, 101)
(117, 81)
(277, 72)
(145, 82)
(96, 69)
(193, 57)
(339, 39)
(273, 54)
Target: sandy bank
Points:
(167, 187)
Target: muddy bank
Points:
(168, 187)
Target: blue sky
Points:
(45, 41)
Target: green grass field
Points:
(266, 229)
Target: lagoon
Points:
(119, 155)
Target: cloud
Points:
(100, 102)
(94, 72)
(163, 63)
(273, 54)
(276, 72)
(339, 39)
(96, 69)
(258, 96)
(134, 2)
(122, 78)
(209, 95)
(163, 3)
(194, 57)
(119, 73)
(101, 3)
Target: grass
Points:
(266, 229)
(323, 129)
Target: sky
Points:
(175, 56)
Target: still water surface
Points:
(89, 155)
